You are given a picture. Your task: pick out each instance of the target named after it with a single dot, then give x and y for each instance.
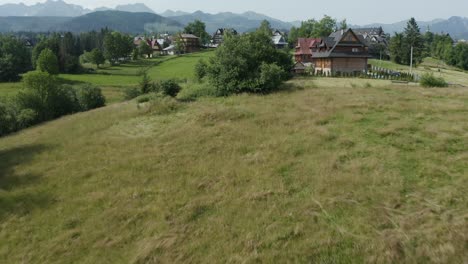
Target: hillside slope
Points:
(322, 173)
(127, 22)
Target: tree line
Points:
(429, 44)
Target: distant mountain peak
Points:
(137, 7)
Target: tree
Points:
(265, 28)
(397, 48)
(43, 94)
(343, 25)
(116, 46)
(198, 28)
(179, 46)
(324, 27)
(145, 49)
(245, 63)
(96, 57)
(14, 58)
(47, 62)
(414, 39)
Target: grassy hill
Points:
(327, 171)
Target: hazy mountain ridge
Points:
(21, 17)
(128, 22)
(60, 8)
(244, 22)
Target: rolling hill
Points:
(117, 20)
(327, 171)
(128, 22)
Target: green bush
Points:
(169, 87)
(271, 77)
(8, 122)
(131, 93)
(90, 97)
(45, 96)
(200, 70)
(238, 65)
(429, 80)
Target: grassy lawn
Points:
(429, 65)
(329, 171)
(114, 79)
(9, 89)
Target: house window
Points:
(355, 50)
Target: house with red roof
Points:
(303, 51)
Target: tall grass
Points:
(324, 174)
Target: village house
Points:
(376, 40)
(218, 36)
(279, 40)
(343, 51)
(152, 42)
(191, 43)
(303, 48)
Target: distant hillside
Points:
(31, 24)
(241, 22)
(121, 21)
(127, 22)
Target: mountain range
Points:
(57, 15)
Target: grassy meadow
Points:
(113, 80)
(325, 171)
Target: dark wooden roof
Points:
(342, 38)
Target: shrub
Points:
(8, 121)
(145, 83)
(237, 65)
(429, 80)
(200, 70)
(131, 93)
(90, 97)
(271, 76)
(169, 87)
(43, 94)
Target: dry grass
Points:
(320, 173)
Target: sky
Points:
(356, 12)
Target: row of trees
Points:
(316, 29)
(17, 58)
(440, 46)
(44, 98)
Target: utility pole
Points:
(411, 62)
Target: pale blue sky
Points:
(357, 12)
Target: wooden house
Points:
(303, 51)
(343, 51)
(376, 40)
(279, 40)
(218, 36)
(191, 43)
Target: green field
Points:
(326, 171)
(429, 65)
(114, 79)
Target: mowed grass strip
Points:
(312, 174)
